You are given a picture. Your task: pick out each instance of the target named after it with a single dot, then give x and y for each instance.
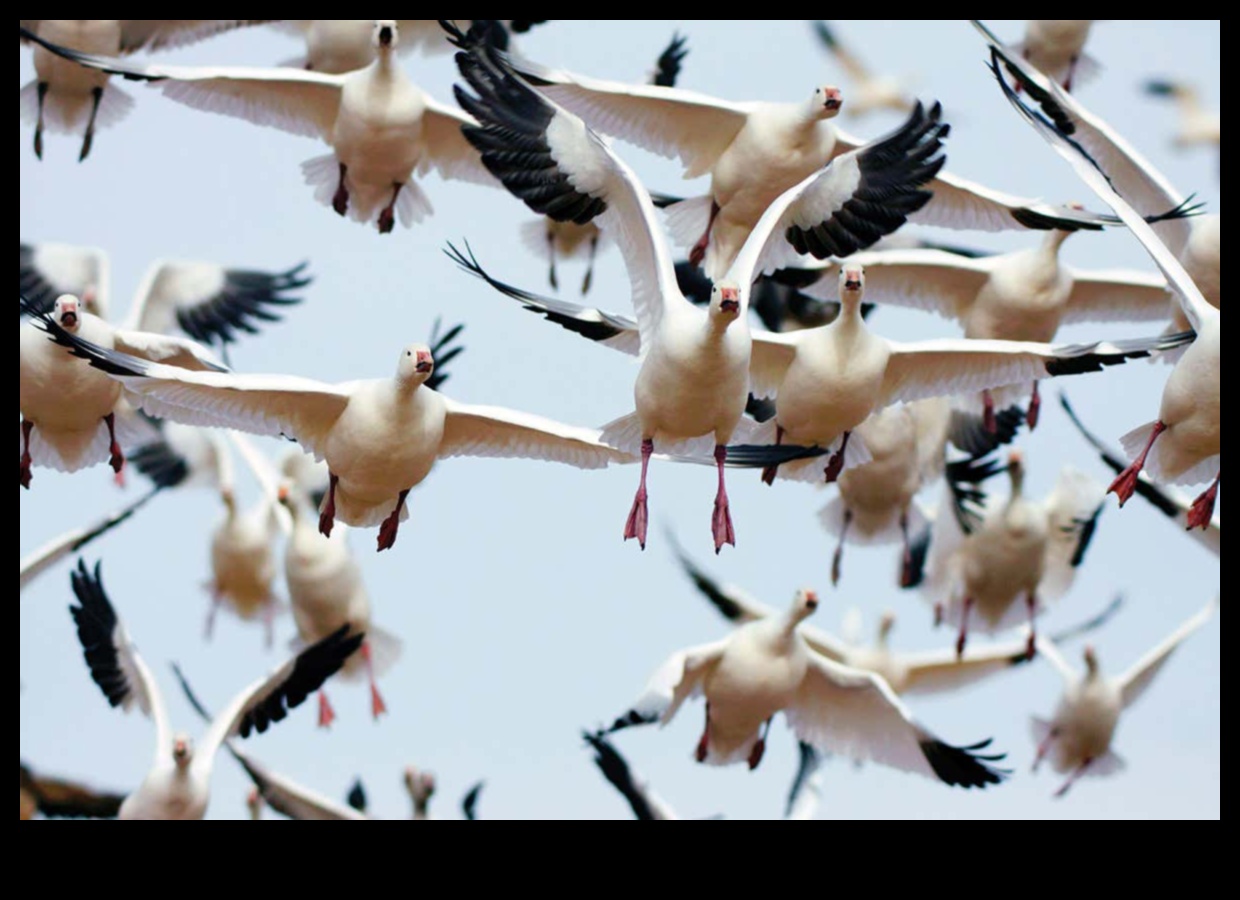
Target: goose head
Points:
(826, 103)
(385, 34)
(1016, 471)
(804, 604)
(68, 313)
(416, 364)
(852, 287)
(420, 785)
(725, 301)
(182, 750)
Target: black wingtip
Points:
(96, 623)
(356, 798)
(194, 702)
(964, 767)
(469, 803)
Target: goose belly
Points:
(377, 450)
(378, 134)
(1086, 723)
(244, 568)
(101, 37)
(692, 391)
(58, 393)
(819, 401)
(1018, 307)
(1003, 565)
(165, 796)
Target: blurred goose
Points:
(645, 803)
(179, 782)
(766, 666)
(1077, 739)
(380, 438)
(554, 240)
(1184, 444)
(756, 151)
(63, 95)
(55, 798)
(206, 301)
(36, 563)
(382, 128)
(1167, 501)
(867, 92)
(694, 380)
(1057, 47)
(71, 415)
(1198, 125)
(1017, 549)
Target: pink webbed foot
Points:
(327, 517)
(639, 515)
(377, 706)
(1202, 510)
(1126, 482)
(755, 755)
(327, 715)
(836, 465)
(721, 519)
(387, 531)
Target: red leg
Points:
(1077, 773)
(963, 637)
(838, 558)
(698, 253)
(938, 614)
(759, 748)
(906, 560)
(377, 706)
(96, 95)
(25, 462)
(38, 125)
(1202, 510)
(327, 715)
(988, 413)
(703, 745)
(768, 474)
(635, 526)
(340, 200)
(1035, 406)
(387, 218)
(721, 519)
(589, 276)
(387, 531)
(1031, 645)
(1126, 482)
(1045, 747)
(117, 459)
(327, 517)
(836, 465)
(1067, 84)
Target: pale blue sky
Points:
(524, 616)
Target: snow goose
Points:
(327, 592)
(826, 381)
(1166, 500)
(1198, 125)
(337, 46)
(756, 151)
(206, 301)
(71, 417)
(1016, 549)
(56, 798)
(555, 240)
(1057, 47)
(1021, 296)
(766, 666)
(178, 784)
(1078, 737)
(1195, 240)
(380, 437)
(1184, 444)
(63, 95)
(694, 379)
(919, 673)
(382, 128)
(867, 92)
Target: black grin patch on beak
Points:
(68, 320)
(832, 103)
(730, 305)
(385, 37)
(424, 366)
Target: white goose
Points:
(206, 301)
(1184, 444)
(71, 415)
(380, 438)
(867, 92)
(695, 373)
(326, 591)
(981, 569)
(382, 128)
(1021, 296)
(924, 672)
(1078, 737)
(1198, 125)
(63, 95)
(766, 666)
(179, 783)
(756, 151)
(1057, 47)
(1168, 501)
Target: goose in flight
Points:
(178, 784)
(1184, 444)
(382, 128)
(62, 94)
(767, 666)
(1057, 47)
(1198, 125)
(867, 92)
(1077, 739)
(56, 798)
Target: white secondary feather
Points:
(1137, 679)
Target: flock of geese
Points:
(755, 301)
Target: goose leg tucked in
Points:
(327, 517)
(639, 515)
(1202, 510)
(96, 95)
(1126, 482)
(768, 473)
(698, 253)
(340, 200)
(387, 531)
(836, 465)
(906, 558)
(988, 413)
(1035, 405)
(759, 747)
(703, 747)
(38, 125)
(721, 519)
(25, 461)
(837, 558)
(1031, 645)
(963, 637)
(387, 218)
(117, 459)
(1076, 773)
